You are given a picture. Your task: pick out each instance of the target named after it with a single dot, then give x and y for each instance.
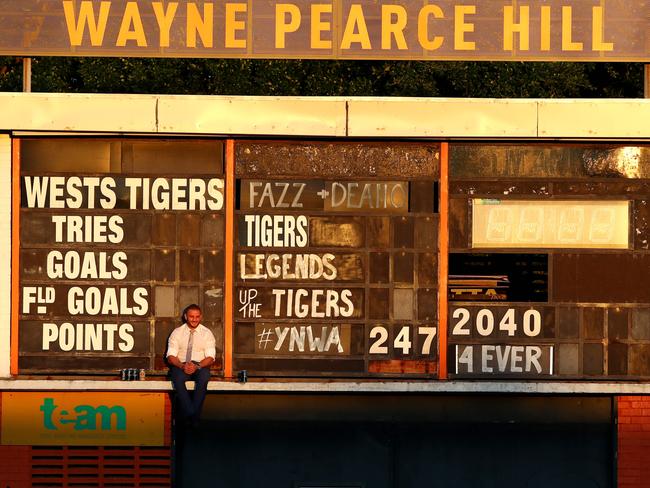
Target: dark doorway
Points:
(400, 442)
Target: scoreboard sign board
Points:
(548, 30)
(332, 276)
(334, 264)
(549, 262)
(108, 261)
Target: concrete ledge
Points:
(442, 387)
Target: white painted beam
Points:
(442, 117)
(253, 116)
(594, 119)
(81, 113)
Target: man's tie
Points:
(188, 355)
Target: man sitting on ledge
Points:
(195, 344)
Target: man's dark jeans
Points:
(190, 404)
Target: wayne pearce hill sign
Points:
(516, 30)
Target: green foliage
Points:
(327, 78)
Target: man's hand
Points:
(189, 367)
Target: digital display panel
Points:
(550, 224)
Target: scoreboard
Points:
(336, 257)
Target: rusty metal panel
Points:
(459, 226)
(640, 328)
(502, 188)
(639, 358)
(593, 322)
(617, 323)
(470, 161)
(601, 278)
(641, 222)
(568, 322)
(341, 159)
(617, 355)
(337, 231)
(403, 267)
(636, 188)
(378, 232)
(426, 233)
(593, 359)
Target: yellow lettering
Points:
(510, 27)
(393, 29)
(233, 25)
(318, 26)
(130, 19)
(201, 25)
(356, 29)
(165, 19)
(567, 26)
(423, 27)
(598, 31)
(96, 28)
(461, 28)
(545, 31)
(282, 28)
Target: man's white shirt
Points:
(203, 345)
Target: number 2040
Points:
(485, 323)
(402, 342)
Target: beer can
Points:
(142, 374)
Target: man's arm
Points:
(174, 361)
(206, 362)
(172, 350)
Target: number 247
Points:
(402, 340)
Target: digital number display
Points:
(550, 224)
